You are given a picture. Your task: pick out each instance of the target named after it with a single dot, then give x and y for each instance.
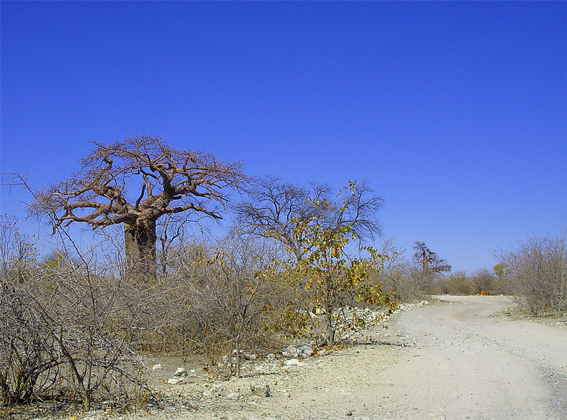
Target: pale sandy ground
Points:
(468, 364)
(460, 359)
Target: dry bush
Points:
(457, 283)
(398, 277)
(537, 274)
(93, 318)
(484, 280)
(29, 358)
(68, 331)
(18, 254)
(487, 280)
(223, 297)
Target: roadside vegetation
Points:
(76, 320)
(536, 274)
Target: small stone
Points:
(180, 372)
(233, 396)
(176, 380)
(294, 362)
(260, 390)
(298, 350)
(157, 367)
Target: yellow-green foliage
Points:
(329, 278)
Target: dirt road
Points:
(462, 358)
(469, 364)
(453, 360)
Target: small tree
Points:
(274, 209)
(243, 269)
(135, 182)
(330, 279)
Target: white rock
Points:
(294, 362)
(298, 350)
(157, 367)
(180, 372)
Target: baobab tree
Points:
(134, 182)
(428, 260)
(429, 263)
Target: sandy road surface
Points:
(460, 359)
(469, 364)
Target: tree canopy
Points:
(136, 181)
(274, 209)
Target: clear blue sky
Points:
(455, 112)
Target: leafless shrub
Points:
(17, 252)
(399, 276)
(484, 280)
(29, 358)
(224, 296)
(85, 311)
(68, 330)
(537, 272)
(489, 281)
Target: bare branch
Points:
(134, 181)
(272, 208)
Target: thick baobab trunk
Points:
(140, 241)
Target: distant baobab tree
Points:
(134, 182)
(428, 260)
